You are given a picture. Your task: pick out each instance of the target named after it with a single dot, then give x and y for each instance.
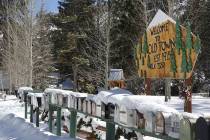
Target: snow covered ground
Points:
(14, 127)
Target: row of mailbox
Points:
(159, 122)
(170, 124)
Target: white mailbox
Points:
(127, 116)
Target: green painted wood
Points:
(110, 130)
(50, 118)
(26, 109)
(58, 121)
(37, 117)
(31, 113)
(73, 123)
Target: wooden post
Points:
(188, 98)
(110, 130)
(37, 117)
(50, 118)
(73, 123)
(26, 110)
(31, 113)
(58, 121)
(148, 86)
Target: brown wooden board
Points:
(156, 62)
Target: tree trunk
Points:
(75, 72)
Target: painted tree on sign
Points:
(184, 62)
(178, 36)
(173, 62)
(189, 64)
(197, 45)
(189, 38)
(148, 61)
(145, 47)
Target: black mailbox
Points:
(29, 100)
(25, 96)
(39, 101)
(202, 129)
(107, 111)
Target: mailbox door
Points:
(39, 101)
(201, 129)
(159, 123)
(140, 123)
(65, 101)
(98, 110)
(89, 107)
(123, 115)
(93, 109)
(185, 130)
(84, 106)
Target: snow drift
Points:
(13, 127)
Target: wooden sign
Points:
(167, 50)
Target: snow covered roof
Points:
(116, 74)
(159, 18)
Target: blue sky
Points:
(50, 5)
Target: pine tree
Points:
(128, 26)
(178, 36)
(173, 62)
(75, 20)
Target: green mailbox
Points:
(187, 129)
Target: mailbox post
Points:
(73, 123)
(110, 130)
(58, 121)
(26, 106)
(31, 113)
(37, 117)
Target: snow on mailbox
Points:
(23, 91)
(35, 99)
(108, 101)
(167, 49)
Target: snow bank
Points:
(16, 128)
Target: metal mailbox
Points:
(162, 122)
(107, 111)
(140, 120)
(128, 116)
(202, 129)
(187, 129)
